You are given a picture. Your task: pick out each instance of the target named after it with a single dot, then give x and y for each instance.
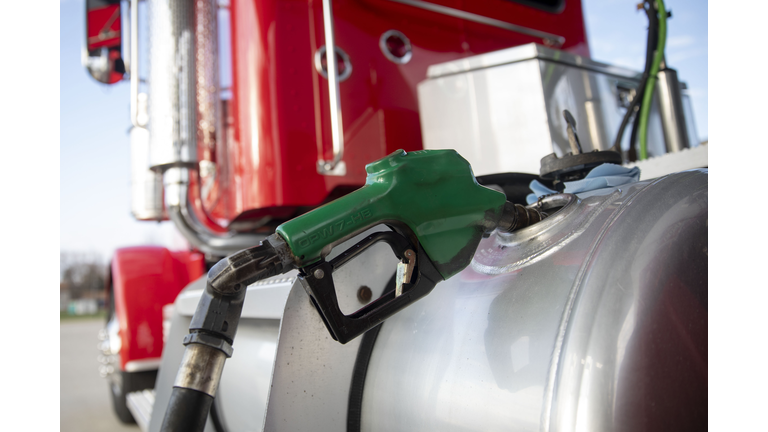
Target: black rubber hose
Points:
(355, 406)
(633, 138)
(360, 371)
(632, 156)
(650, 48)
(187, 411)
(217, 418)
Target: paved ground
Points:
(85, 401)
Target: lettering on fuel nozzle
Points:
(335, 228)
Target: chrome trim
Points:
(133, 66)
(383, 46)
(554, 201)
(140, 405)
(671, 109)
(337, 128)
(344, 58)
(183, 216)
(201, 368)
(549, 38)
(109, 346)
(263, 300)
(146, 184)
(127, 61)
(172, 107)
(142, 365)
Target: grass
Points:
(64, 316)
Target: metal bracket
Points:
(327, 168)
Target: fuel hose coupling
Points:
(516, 216)
(202, 363)
(196, 382)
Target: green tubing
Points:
(645, 108)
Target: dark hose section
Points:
(212, 332)
(187, 411)
(217, 418)
(360, 371)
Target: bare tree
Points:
(83, 273)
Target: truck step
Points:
(140, 405)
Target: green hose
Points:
(645, 108)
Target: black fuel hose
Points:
(187, 410)
(216, 417)
(359, 372)
(212, 331)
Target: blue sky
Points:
(95, 149)
(617, 32)
(95, 155)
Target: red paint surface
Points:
(103, 31)
(144, 280)
(279, 117)
(103, 27)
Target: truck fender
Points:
(144, 279)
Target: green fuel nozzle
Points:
(431, 196)
(437, 213)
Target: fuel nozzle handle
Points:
(212, 331)
(439, 213)
(429, 196)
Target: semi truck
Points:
(459, 221)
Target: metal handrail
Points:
(337, 130)
(552, 39)
(134, 64)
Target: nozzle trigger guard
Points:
(317, 280)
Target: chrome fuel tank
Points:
(594, 319)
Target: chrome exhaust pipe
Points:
(183, 113)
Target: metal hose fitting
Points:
(516, 216)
